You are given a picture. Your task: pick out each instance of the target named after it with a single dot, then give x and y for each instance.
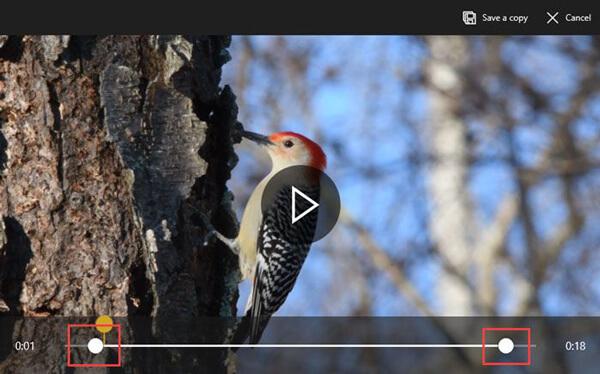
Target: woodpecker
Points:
(270, 247)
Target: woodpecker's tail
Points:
(250, 328)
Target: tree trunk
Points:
(114, 154)
(451, 220)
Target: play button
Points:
(303, 202)
(313, 204)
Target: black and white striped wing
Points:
(282, 249)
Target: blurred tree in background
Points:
(469, 168)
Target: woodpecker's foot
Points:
(230, 243)
(215, 235)
(3, 306)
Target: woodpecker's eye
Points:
(288, 144)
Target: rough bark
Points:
(114, 153)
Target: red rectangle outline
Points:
(72, 365)
(517, 363)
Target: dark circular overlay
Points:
(301, 184)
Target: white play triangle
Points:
(314, 205)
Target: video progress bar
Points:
(303, 345)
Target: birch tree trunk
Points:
(114, 153)
(451, 220)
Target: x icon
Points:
(552, 17)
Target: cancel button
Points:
(578, 18)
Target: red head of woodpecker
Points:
(290, 149)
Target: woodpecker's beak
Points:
(257, 138)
